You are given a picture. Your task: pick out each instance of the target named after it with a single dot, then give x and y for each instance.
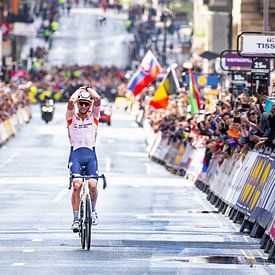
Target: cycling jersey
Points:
(83, 133)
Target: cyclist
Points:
(82, 131)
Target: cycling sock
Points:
(76, 217)
(93, 206)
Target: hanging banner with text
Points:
(258, 44)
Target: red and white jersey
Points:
(82, 133)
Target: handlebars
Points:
(102, 176)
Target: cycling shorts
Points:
(83, 157)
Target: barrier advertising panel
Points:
(254, 183)
(266, 203)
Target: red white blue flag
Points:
(146, 73)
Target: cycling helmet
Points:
(85, 96)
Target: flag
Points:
(160, 99)
(171, 82)
(193, 94)
(146, 73)
(168, 86)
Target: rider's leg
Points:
(93, 193)
(77, 184)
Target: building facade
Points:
(211, 25)
(247, 15)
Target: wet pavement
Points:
(151, 222)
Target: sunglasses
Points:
(252, 114)
(84, 104)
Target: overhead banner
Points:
(258, 44)
(234, 60)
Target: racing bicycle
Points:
(85, 209)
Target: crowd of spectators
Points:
(11, 99)
(236, 124)
(64, 80)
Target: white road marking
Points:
(9, 159)
(60, 195)
(18, 264)
(108, 164)
(133, 154)
(37, 240)
(28, 250)
(32, 180)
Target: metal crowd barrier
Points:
(14, 123)
(241, 187)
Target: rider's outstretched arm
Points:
(96, 97)
(73, 99)
(70, 107)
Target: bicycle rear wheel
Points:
(88, 223)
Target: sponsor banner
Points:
(230, 176)
(258, 44)
(266, 203)
(240, 179)
(187, 156)
(155, 145)
(179, 155)
(212, 171)
(254, 183)
(196, 164)
(159, 148)
(234, 60)
(172, 153)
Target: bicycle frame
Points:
(85, 208)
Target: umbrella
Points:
(209, 55)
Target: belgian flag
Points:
(168, 86)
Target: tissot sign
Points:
(258, 44)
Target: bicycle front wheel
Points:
(88, 223)
(82, 226)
